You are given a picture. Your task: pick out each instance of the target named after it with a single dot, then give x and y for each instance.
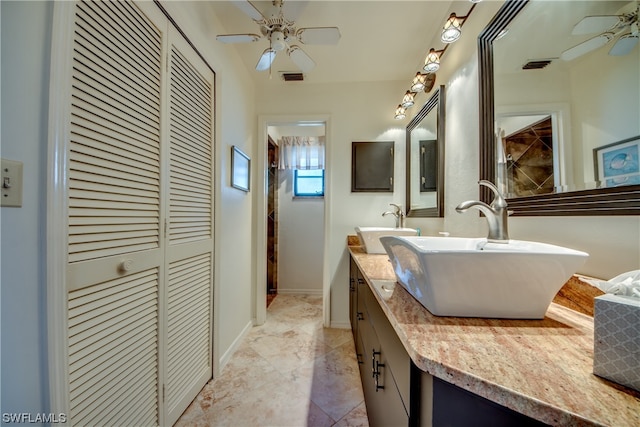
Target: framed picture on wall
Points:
(618, 164)
(240, 169)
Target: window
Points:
(308, 183)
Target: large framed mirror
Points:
(425, 159)
(552, 101)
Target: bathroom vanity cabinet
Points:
(418, 369)
(396, 392)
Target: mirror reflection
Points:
(425, 159)
(567, 90)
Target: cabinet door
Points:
(353, 296)
(399, 361)
(384, 403)
(372, 166)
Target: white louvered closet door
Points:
(114, 194)
(140, 212)
(189, 254)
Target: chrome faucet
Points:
(496, 213)
(398, 213)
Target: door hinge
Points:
(163, 392)
(166, 226)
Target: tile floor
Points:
(288, 372)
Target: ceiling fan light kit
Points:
(277, 25)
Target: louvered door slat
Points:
(130, 349)
(95, 65)
(191, 135)
(84, 88)
(111, 372)
(92, 181)
(100, 174)
(185, 110)
(143, 146)
(191, 140)
(185, 158)
(192, 79)
(115, 128)
(188, 352)
(99, 188)
(121, 37)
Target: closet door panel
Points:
(114, 245)
(189, 229)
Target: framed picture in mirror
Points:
(618, 163)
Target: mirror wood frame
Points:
(437, 101)
(596, 202)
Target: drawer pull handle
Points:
(375, 369)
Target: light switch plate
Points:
(11, 183)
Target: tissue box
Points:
(616, 355)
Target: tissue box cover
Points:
(616, 355)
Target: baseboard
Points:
(341, 325)
(234, 346)
(311, 292)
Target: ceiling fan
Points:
(624, 26)
(277, 25)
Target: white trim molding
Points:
(260, 288)
(56, 229)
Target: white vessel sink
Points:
(468, 277)
(370, 237)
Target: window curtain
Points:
(301, 152)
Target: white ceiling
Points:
(380, 40)
(525, 41)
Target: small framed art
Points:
(240, 169)
(618, 164)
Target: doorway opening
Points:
(272, 220)
(291, 258)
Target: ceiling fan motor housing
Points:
(278, 42)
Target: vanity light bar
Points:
(432, 62)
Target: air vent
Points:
(537, 64)
(293, 77)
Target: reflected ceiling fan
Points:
(624, 26)
(277, 25)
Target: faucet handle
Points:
(398, 207)
(499, 200)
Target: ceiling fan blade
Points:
(318, 35)
(586, 47)
(624, 45)
(238, 38)
(301, 59)
(596, 24)
(293, 9)
(249, 9)
(266, 59)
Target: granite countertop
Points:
(540, 368)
